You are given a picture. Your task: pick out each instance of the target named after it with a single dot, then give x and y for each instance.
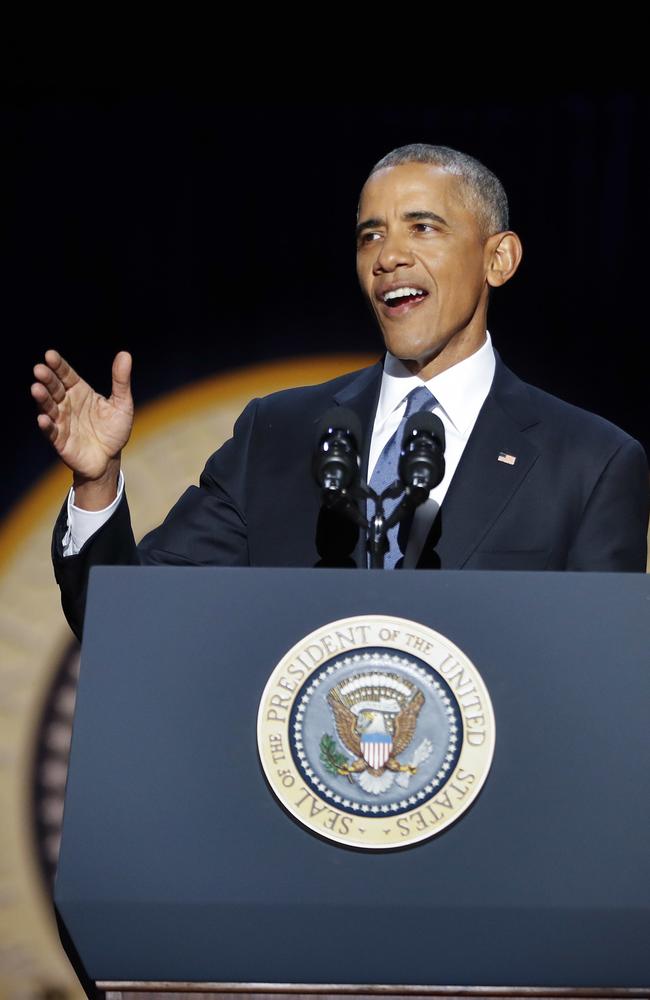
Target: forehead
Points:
(411, 187)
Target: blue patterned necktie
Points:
(385, 471)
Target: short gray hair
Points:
(483, 192)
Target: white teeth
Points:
(399, 293)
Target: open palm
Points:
(86, 429)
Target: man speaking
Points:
(530, 482)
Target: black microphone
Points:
(422, 458)
(336, 461)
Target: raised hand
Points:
(87, 430)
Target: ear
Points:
(503, 256)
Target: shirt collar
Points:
(460, 390)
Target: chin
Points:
(417, 354)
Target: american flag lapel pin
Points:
(508, 459)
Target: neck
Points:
(459, 349)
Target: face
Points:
(414, 232)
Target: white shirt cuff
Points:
(82, 524)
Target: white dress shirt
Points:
(84, 523)
(460, 392)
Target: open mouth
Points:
(403, 304)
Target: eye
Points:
(368, 237)
(423, 226)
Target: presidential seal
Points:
(376, 732)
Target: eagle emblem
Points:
(376, 716)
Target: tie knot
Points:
(419, 399)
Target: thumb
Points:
(121, 392)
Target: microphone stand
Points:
(346, 502)
(380, 525)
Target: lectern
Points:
(187, 866)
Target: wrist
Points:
(95, 494)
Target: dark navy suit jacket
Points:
(576, 497)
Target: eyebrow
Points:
(406, 217)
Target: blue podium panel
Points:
(179, 864)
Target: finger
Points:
(50, 381)
(48, 428)
(122, 377)
(62, 369)
(45, 401)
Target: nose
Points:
(393, 252)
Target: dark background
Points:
(204, 236)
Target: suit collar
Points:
(512, 393)
(359, 384)
(513, 396)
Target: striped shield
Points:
(376, 749)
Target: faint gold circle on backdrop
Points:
(171, 441)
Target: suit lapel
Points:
(362, 396)
(483, 486)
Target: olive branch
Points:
(331, 758)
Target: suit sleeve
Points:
(207, 526)
(612, 533)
